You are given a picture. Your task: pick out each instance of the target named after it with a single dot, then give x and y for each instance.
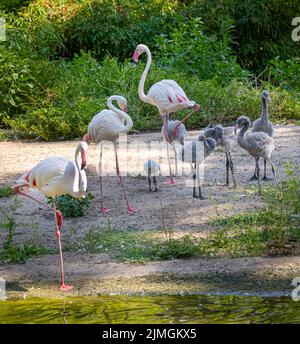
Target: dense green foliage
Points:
(72, 207)
(63, 58)
(262, 28)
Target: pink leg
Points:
(129, 208)
(171, 181)
(102, 208)
(58, 213)
(63, 286)
(181, 122)
(58, 222)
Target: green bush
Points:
(12, 5)
(56, 69)
(189, 50)
(262, 28)
(72, 207)
(63, 28)
(285, 73)
(18, 87)
(83, 85)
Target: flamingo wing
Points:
(105, 125)
(176, 91)
(169, 97)
(46, 174)
(261, 144)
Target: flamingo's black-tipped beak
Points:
(87, 138)
(83, 164)
(133, 63)
(197, 107)
(125, 109)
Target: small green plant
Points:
(72, 207)
(135, 246)
(11, 252)
(21, 254)
(184, 247)
(5, 191)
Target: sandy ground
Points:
(172, 205)
(95, 274)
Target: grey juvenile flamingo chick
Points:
(226, 143)
(263, 124)
(192, 153)
(152, 168)
(258, 145)
(176, 132)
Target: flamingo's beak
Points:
(135, 58)
(87, 138)
(83, 159)
(197, 107)
(125, 109)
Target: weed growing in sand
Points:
(135, 246)
(273, 230)
(5, 191)
(72, 207)
(10, 251)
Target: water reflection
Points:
(152, 309)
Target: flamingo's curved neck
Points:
(78, 185)
(122, 114)
(264, 113)
(141, 87)
(241, 136)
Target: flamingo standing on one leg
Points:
(166, 95)
(53, 177)
(107, 125)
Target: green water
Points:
(152, 309)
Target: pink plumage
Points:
(107, 125)
(166, 95)
(53, 177)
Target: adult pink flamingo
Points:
(53, 177)
(166, 95)
(107, 125)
